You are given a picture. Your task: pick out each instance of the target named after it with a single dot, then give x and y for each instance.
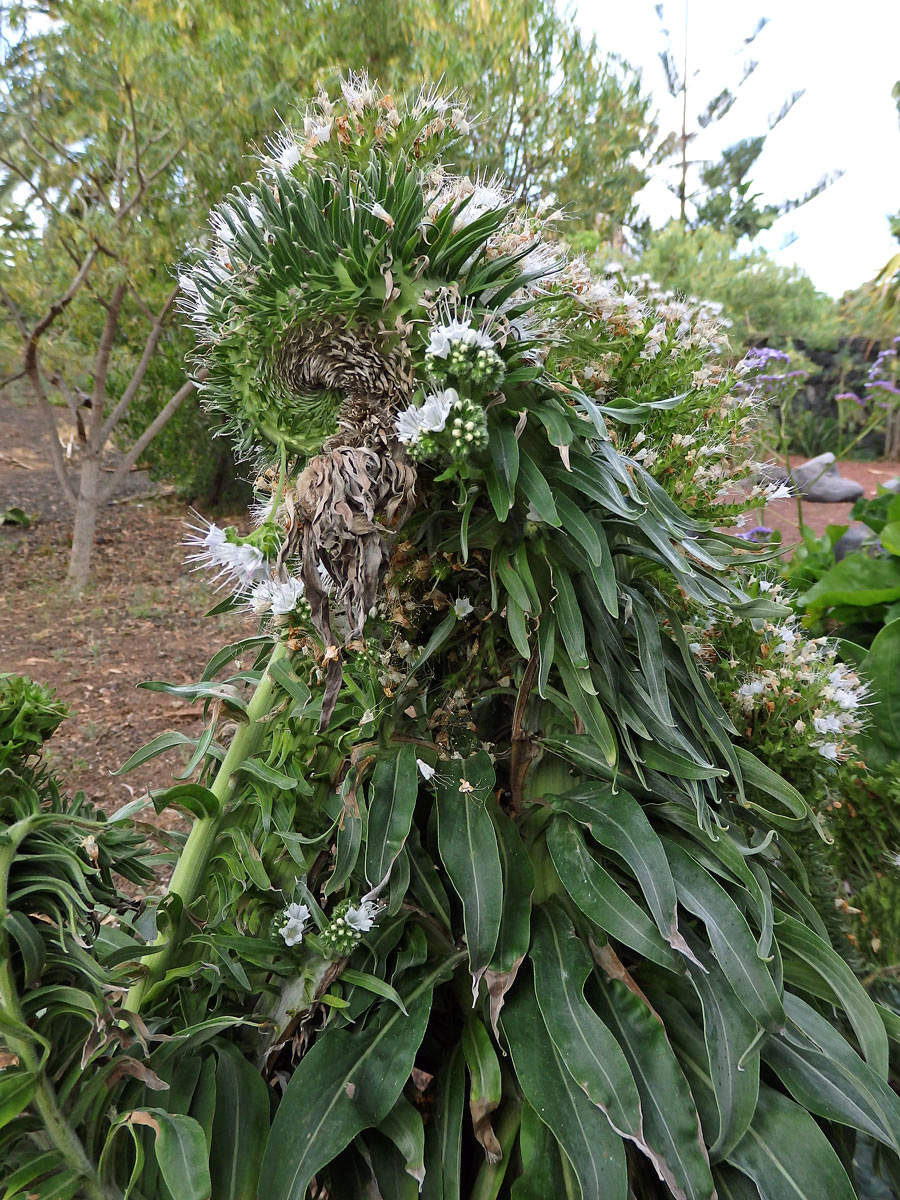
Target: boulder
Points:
(818, 480)
(854, 539)
(892, 485)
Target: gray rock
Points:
(892, 485)
(833, 489)
(818, 480)
(854, 539)
(807, 474)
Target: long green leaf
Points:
(671, 1124)
(443, 1137)
(787, 1155)
(826, 1075)
(731, 1036)
(468, 848)
(591, 1053)
(348, 1082)
(602, 899)
(403, 1125)
(395, 787)
(181, 1155)
(842, 983)
(542, 1175)
(240, 1126)
(617, 821)
(590, 1144)
(730, 936)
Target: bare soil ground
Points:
(142, 618)
(783, 513)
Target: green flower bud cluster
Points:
(467, 427)
(469, 363)
(340, 939)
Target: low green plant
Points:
(484, 894)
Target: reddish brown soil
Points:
(142, 618)
(783, 513)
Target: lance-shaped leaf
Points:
(348, 1082)
(617, 821)
(731, 938)
(515, 921)
(840, 984)
(542, 1174)
(240, 1126)
(731, 1037)
(395, 787)
(181, 1152)
(468, 848)
(443, 1137)
(592, 1055)
(485, 1086)
(602, 899)
(591, 1145)
(824, 1073)
(671, 1125)
(788, 1156)
(403, 1125)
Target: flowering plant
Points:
(482, 894)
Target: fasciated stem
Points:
(189, 876)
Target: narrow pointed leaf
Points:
(671, 1124)
(395, 788)
(591, 1054)
(468, 849)
(788, 1156)
(592, 1147)
(602, 899)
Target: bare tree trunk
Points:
(87, 505)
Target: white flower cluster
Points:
(234, 562)
(430, 417)
(276, 596)
(296, 918)
(808, 669)
(442, 338)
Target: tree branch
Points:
(140, 370)
(147, 437)
(101, 362)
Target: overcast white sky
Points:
(846, 56)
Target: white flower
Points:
(785, 638)
(277, 596)
(362, 918)
(409, 425)
(430, 417)
(754, 688)
(296, 918)
(436, 409)
(845, 699)
(237, 562)
(828, 750)
(462, 606)
(439, 343)
(780, 492)
(289, 154)
(317, 129)
(425, 770)
(765, 585)
(828, 724)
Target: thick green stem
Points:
(490, 1177)
(189, 875)
(59, 1132)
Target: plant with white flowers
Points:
(484, 894)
